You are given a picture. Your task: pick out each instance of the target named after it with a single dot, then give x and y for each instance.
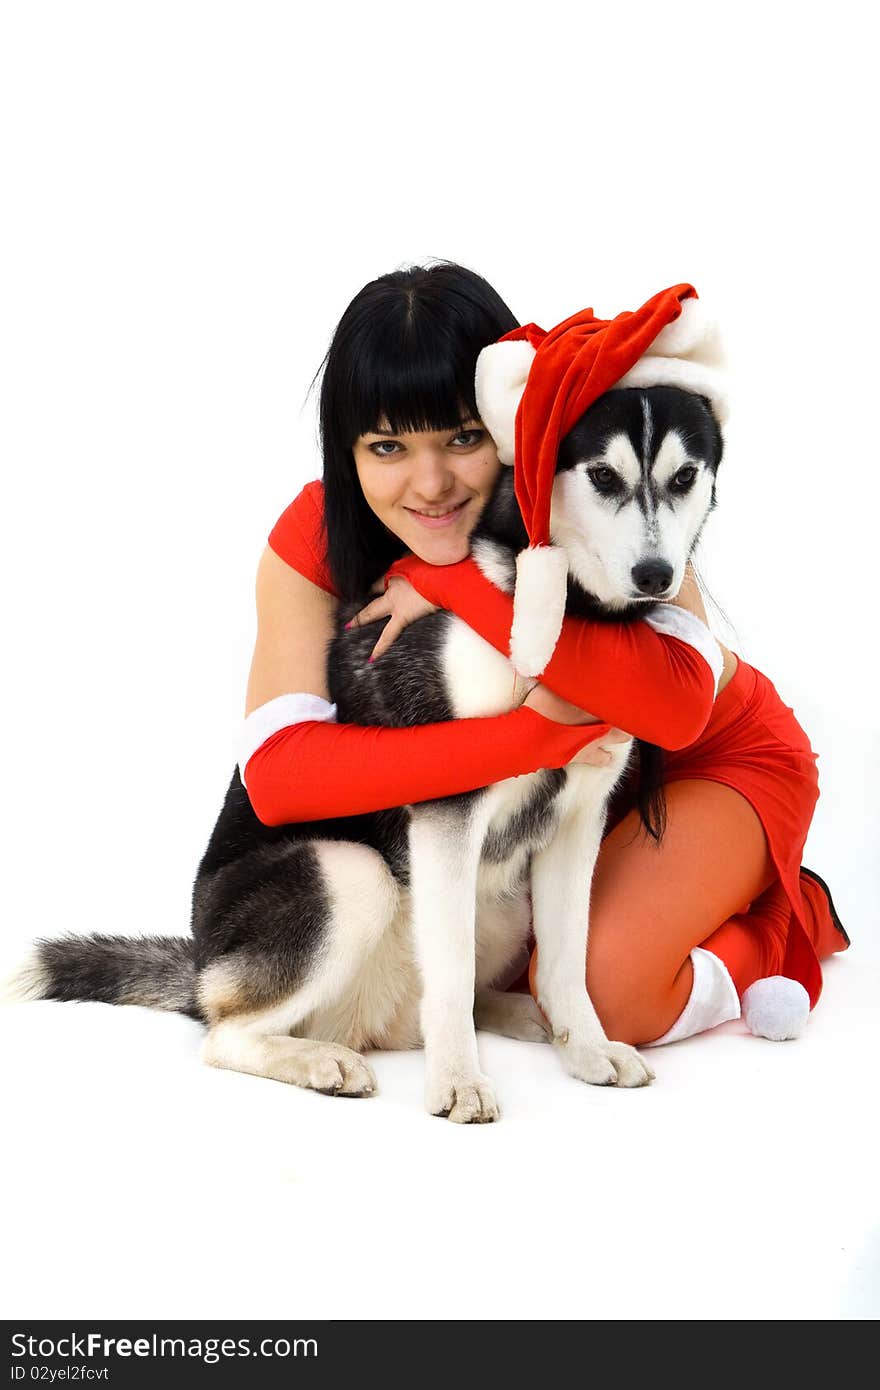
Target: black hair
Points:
(406, 348)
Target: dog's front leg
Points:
(445, 842)
(561, 878)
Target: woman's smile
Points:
(448, 517)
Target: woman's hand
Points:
(597, 754)
(401, 603)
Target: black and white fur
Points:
(312, 943)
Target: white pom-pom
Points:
(538, 607)
(500, 379)
(695, 333)
(776, 1008)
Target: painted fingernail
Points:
(347, 626)
(370, 660)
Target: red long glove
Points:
(655, 686)
(314, 770)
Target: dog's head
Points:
(611, 509)
(635, 482)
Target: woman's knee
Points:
(636, 1002)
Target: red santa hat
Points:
(533, 386)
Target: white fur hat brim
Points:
(689, 354)
(501, 374)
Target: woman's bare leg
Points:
(652, 904)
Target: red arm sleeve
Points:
(655, 686)
(314, 770)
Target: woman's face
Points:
(429, 487)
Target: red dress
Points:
(754, 744)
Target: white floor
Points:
(741, 1185)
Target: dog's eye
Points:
(683, 479)
(604, 479)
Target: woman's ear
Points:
(502, 370)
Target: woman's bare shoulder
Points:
(295, 622)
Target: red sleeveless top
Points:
(298, 537)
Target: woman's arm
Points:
(295, 625)
(315, 770)
(655, 678)
(299, 765)
(690, 597)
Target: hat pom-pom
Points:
(695, 334)
(538, 607)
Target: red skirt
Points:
(754, 744)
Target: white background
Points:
(192, 194)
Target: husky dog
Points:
(314, 942)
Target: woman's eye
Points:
(469, 437)
(605, 479)
(684, 478)
(379, 448)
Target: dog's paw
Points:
(317, 1066)
(466, 1100)
(510, 1015)
(335, 1071)
(606, 1064)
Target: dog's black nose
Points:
(652, 576)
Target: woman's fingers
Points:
(379, 608)
(393, 628)
(401, 604)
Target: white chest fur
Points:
(479, 679)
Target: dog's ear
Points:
(715, 431)
(502, 371)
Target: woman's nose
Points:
(432, 476)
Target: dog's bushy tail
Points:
(157, 972)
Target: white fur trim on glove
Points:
(277, 714)
(500, 379)
(713, 999)
(538, 607)
(688, 353)
(678, 622)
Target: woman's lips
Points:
(434, 523)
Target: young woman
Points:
(680, 931)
